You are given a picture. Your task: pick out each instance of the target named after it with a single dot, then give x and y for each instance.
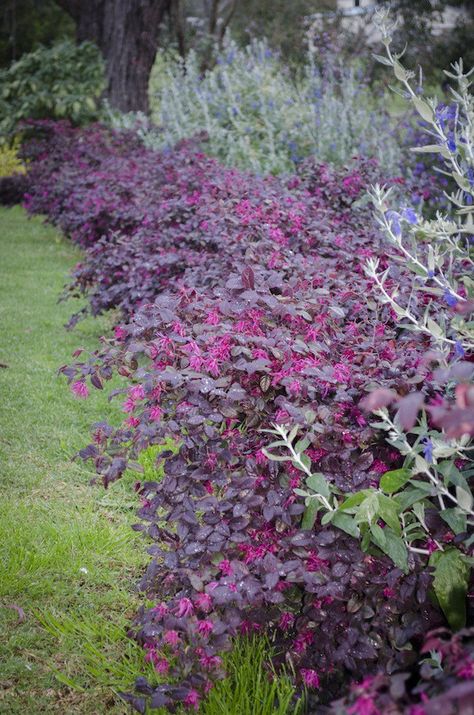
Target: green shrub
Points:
(64, 81)
(10, 163)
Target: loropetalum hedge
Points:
(149, 219)
(244, 303)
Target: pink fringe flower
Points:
(205, 628)
(225, 567)
(80, 389)
(171, 638)
(286, 620)
(192, 699)
(310, 677)
(203, 602)
(185, 608)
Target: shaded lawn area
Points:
(69, 558)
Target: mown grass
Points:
(69, 559)
(68, 555)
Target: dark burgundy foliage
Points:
(149, 219)
(243, 302)
(445, 687)
(12, 189)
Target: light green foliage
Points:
(440, 256)
(261, 117)
(358, 515)
(159, 77)
(250, 687)
(451, 583)
(149, 459)
(64, 81)
(430, 469)
(438, 252)
(10, 163)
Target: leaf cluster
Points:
(62, 81)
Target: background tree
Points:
(458, 43)
(25, 24)
(280, 21)
(201, 24)
(127, 32)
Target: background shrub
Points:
(10, 162)
(62, 81)
(259, 116)
(12, 174)
(25, 24)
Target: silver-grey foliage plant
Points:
(259, 116)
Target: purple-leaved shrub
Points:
(244, 302)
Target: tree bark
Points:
(127, 34)
(177, 22)
(219, 19)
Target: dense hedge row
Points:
(243, 303)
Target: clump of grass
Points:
(151, 461)
(251, 688)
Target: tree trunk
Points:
(177, 22)
(127, 34)
(219, 20)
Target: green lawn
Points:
(68, 557)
